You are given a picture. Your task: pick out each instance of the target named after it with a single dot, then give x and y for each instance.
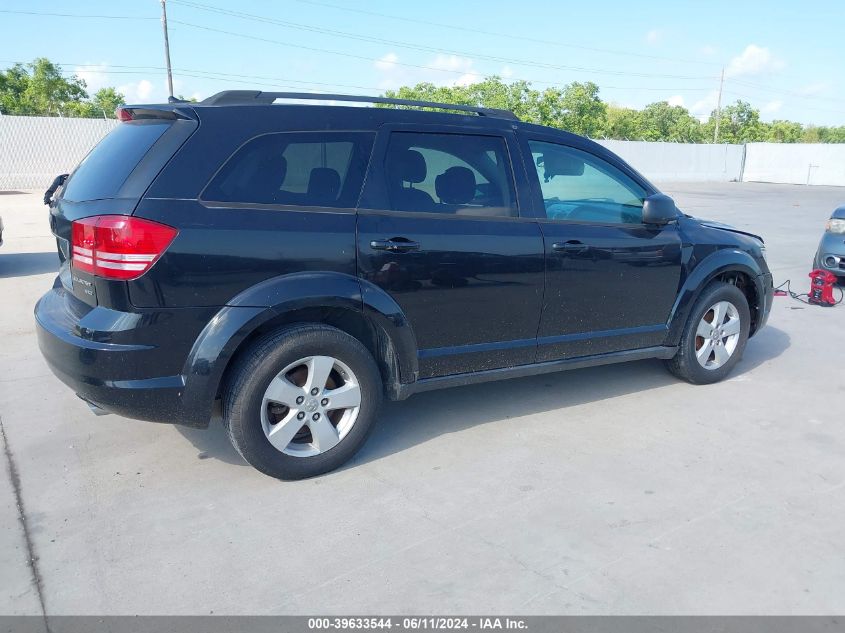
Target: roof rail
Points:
(257, 97)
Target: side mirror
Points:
(659, 209)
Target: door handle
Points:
(572, 246)
(395, 245)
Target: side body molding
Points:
(710, 267)
(234, 323)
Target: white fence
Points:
(804, 164)
(33, 150)
(666, 162)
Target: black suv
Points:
(289, 266)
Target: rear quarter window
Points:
(307, 169)
(102, 173)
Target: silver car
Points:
(831, 253)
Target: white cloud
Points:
(815, 88)
(507, 72)
(703, 107)
(94, 75)
(772, 106)
(443, 70)
(676, 100)
(454, 64)
(144, 88)
(707, 50)
(653, 36)
(753, 61)
(139, 91)
(387, 62)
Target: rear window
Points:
(102, 173)
(309, 169)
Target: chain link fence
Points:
(34, 150)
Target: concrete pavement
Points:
(612, 490)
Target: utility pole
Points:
(166, 49)
(718, 102)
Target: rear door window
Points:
(457, 174)
(102, 173)
(308, 169)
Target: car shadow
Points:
(25, 264)
(212, 443)
(429, 415)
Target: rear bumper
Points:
(89, 350)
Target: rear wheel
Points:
(302, 401)
(714, 337)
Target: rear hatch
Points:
(109, 183)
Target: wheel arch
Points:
(730, 266)
(335, 299)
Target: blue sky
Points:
(786, 60)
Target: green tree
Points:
(663, 122)
(41, 88)
(738, 123)
(48, 91)
(490, 93)
(621, 123)
(518, 97)
(582, 111)
(102, 105)
(825, 134)
(13, 84)
(578, 108)
(780, 131)
(811, 134)
(836, 135)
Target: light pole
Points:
(166, 49)
(718, 104)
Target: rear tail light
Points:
(118, 246)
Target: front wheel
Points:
(301, 401)
(714, 337)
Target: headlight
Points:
(835, 225)
(763, 253)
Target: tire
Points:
(269, 374)
(693, 362)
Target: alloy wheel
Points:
(717, 335)
(310, 406)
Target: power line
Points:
(250, 80)
(778, 91)
(142, 70)
(433, 49)
(511, 36)
(79, 15)
(783, 92)
(743, 96)
(354, 56)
